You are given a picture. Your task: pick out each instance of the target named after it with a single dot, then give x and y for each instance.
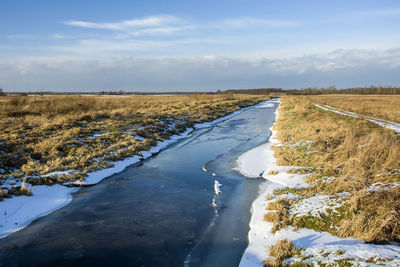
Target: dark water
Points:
(161, 212)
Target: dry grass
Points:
(379, 219)
(281, 251)
(356, 154)
(279, 217)
(44, 134)
(379, 106)
(25, 189)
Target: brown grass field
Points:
(79, 134)
(385, 107)
(343, 155)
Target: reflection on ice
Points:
(217, 187)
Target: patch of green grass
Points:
(320, 264)
(347, 262)
(299, 264)
(325, 254)
(324, 222)
(340, 252)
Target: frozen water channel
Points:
(166, 211)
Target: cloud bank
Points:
(342, 68)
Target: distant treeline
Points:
(145, 93)
(372, 90)
(318, 91)
(259, 91)
(101, 93)
(358, 91)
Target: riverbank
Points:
(292, 221)
(18, 212)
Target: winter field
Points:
(333, 200)
(332, 162)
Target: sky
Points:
(159, 45)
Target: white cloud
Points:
(127, 25)
(161, 30)
(168, 25)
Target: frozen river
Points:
(161, 212)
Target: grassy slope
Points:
(44, 134)
(346, 157)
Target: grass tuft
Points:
(281, 251)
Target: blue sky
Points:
(197, 45)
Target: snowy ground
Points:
(387, 124)
(318, 248)
(18, 212)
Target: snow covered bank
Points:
(254, 162)
(18, 212)
(318, 247)
(387, 124)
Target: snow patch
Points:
(217, 187)
(379, 186)
(317, 205)
(18, 212)
(284, 178)
(266, 105)
(94, 136)
(138, 137)
(254, 162)
(60, 173)
(324, 247)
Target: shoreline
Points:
(18, 212)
